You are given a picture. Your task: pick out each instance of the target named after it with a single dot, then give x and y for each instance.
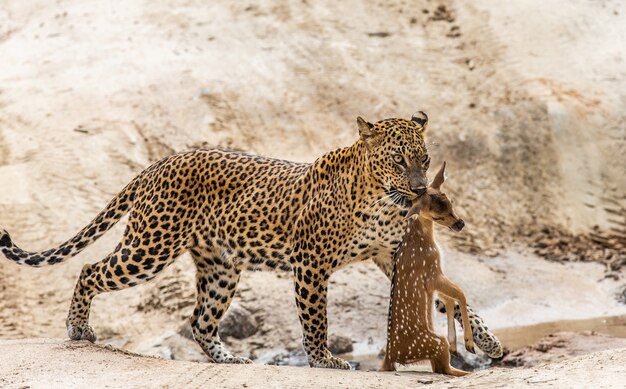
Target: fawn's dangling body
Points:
(416, 277)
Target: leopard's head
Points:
(397, 156)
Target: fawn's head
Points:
(436, 206)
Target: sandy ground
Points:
(562, 345)
(97, 366)
(528, 111)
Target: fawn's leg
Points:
(441, 367)
(435, 347)
(484, 338)
(430, 301)
(440, 355)
(447, 287)
(449, 304)
(387, 364)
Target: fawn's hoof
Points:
(457, 373)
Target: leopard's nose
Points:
(419, 190)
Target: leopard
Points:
(235, 211)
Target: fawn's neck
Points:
(424, 229)
(418, 244)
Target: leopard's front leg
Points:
(311, 284)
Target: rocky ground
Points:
(526, 104)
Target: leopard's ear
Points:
(420, 118)
(368, 133)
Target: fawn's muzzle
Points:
(458, 226)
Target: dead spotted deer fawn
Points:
(417, 276)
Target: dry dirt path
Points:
(45, 363)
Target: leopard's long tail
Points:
(103, 222)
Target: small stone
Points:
(185, 330)
(171, 345)
(159, 351)
(338, 344)
(622, 296)
(238, 323)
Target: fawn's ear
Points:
(440, 177)
(414, 211)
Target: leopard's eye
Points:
(397, 158)
(426, 162)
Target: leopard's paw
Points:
(237, 360)
(330, 362)
(81, 332)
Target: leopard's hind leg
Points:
(216, 283)
(138, 258)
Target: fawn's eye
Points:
(397, 158)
